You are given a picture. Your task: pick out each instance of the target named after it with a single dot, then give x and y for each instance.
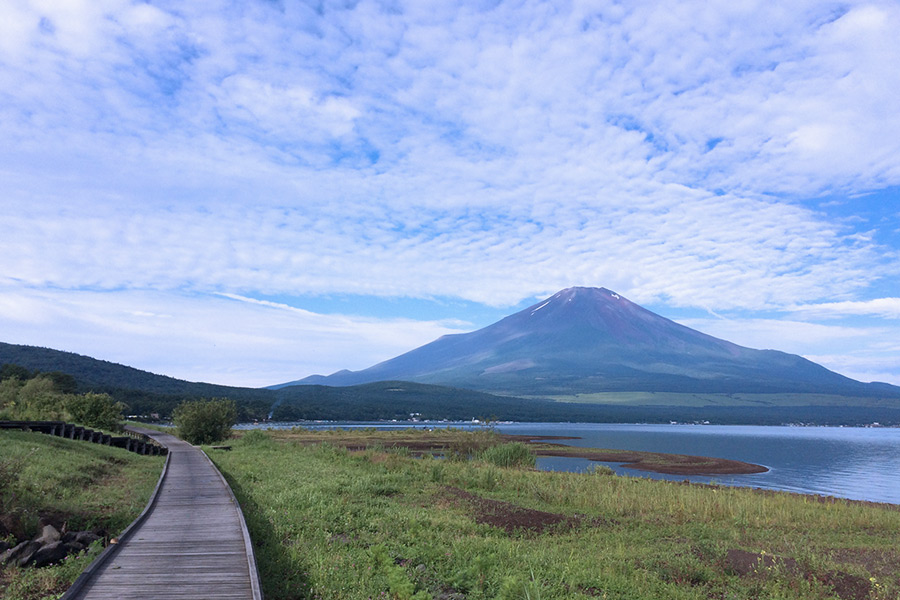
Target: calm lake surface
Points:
(848, 462)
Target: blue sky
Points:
(249, 192)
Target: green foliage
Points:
(41, 399)
(10, 471)
(96, 410)
(515, 454)
(205, 421)
(399, 584)
(85, 486)
(10, 371)
(601, 470)
(146, 393)
(334, 524)
(514, 588)
(34, 399)
(472, 444)
(256, 437)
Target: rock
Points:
(20, 554)
(49, 534)
(86, 538)
(47, 548)
(49, 554)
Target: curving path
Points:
(191, 543)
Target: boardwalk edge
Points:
(248, 544)
(111, 549)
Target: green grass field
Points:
(331, 523)
(67, 483)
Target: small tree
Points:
(96, 410)
(205, 421)
(38, 400)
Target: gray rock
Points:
(49, 554)
(20, 554)
(49, 534)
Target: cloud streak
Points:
(228, 340)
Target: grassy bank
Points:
(329, 523)
(70, 484)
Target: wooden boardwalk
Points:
(192, 543)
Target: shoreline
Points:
(655, 462)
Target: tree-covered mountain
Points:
(141, 391)
(592, 340)
(147, 393)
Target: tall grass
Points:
(334, 524)
(515, 454)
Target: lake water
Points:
(847, 462)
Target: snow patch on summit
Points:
(510, 367)
(540, 307)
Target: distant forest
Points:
(145, 394)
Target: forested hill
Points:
(145, 393)
(142, 391)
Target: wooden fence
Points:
(131, 441)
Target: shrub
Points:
(515, 454)
(205, 421)
(256, 437)
(96, 410)
(38, 400)
(469, 444)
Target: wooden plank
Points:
(193, 543)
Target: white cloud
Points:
(691, 248)
(862, 352)
(487, 152)
(288, 112)
(888, 308)
(233, 340)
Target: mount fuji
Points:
(592, 340)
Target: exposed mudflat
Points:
(442, 441)
(670, 464)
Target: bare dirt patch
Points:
(752, 564)
(744, 563)
(880, 563)
(508, 516)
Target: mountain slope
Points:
(588, 340)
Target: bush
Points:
(205, 421)
(515, 454)
(96, 410)
(256, 437)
